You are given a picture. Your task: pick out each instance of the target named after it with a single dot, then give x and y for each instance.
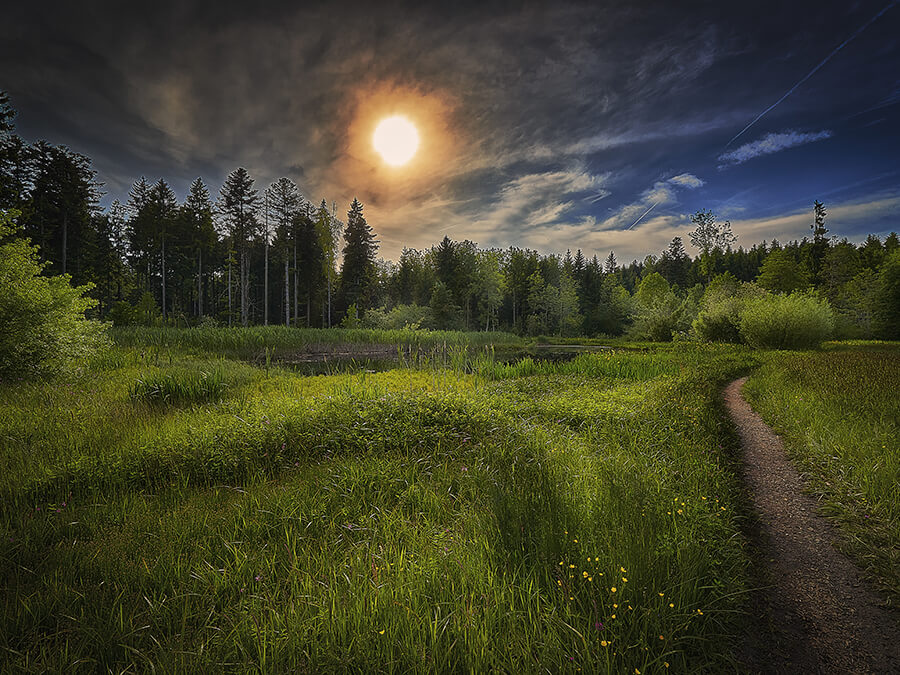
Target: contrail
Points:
(813, 71)
(642, 215)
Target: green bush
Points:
(401, 316)
(665, 316)
(887, 299)
(42, 324)
(795, 321)
(719, 318)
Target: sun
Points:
(396, 139)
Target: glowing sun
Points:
(396, 140)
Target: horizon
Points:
(550, 129)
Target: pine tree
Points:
(284, 203)
(610, 266)
(163, 209)
(329, 229)
(820, 242)
(63, 199)
(139, 230)
(197, 213)
(358, 267)
(238, 201)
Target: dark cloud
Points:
(544, 125)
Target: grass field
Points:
(193, 513)
(277, 341)
(839, 411)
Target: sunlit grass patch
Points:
(840, 413)
(423, 519)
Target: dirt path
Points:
(816, 614)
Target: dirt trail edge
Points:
(817, 615)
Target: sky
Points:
(553, 126)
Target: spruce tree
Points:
(163, 209)
(284, 202)
(238, 201)
(358, 267)
(197, 214)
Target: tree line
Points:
(252, 255)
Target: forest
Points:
(266, 255)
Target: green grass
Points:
(839, 411)
(183, 387)
(261, 342)
(472, 517)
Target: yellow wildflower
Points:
(613, 589)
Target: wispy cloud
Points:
(661, 193)
(772, 143)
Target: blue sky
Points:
(553, 126)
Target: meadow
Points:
(839, 412)
(173, 507)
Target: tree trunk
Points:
(65, 239)
(266, 282)
(200, 283)
(164, 278)
(297, 289)
(287, 293)
(245, 289)
(229, 290)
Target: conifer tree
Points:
(610, 266)
(238, 202)
(162, 214)
(284, 203)
(358, 266)
(197, 213)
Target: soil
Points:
(814, 613)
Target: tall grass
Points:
(183, 387)
(840, 413)
(253, 342)
(447, 519)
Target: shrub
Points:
(887, 299)
(665, 316)
(719, 318)
(795, 321)
(401, 316)
(351, 318)
(42, 323)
